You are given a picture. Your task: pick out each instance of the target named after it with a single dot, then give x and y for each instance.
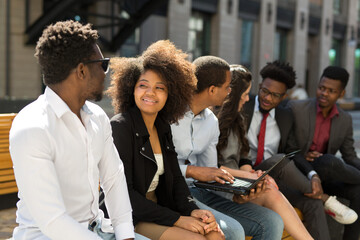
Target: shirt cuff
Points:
(311, 174)
(183, 169)
(124, 231)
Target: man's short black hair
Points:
(281, 72)
(336, 73)
(62, 47)
(210, 71)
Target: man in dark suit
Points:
(321, 129)
(270, 131)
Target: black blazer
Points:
(131, 139)
(285, 121)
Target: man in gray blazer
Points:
(321, 129)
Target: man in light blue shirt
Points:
(195, 138)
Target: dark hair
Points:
(337, 73)
(210, 71)
(171, 65)
(281, 72)
(229, 117)
(62, 47)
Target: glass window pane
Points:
(131, 46)
(246, 43)
(280, 45)
(335, 53)
(199, 34)
(337, 6)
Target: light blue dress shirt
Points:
(195, 139)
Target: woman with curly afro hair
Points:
(149, 93)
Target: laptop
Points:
(241, 186)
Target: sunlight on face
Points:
(150, 93)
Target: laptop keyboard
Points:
(240, 183)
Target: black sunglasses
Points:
(104, 63)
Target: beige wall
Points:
(350, 44)
(266, 38)
(307, 52)
(225, 27)
(24, 71)
(298, 41)
(178, 22)
(2, 47)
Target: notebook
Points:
(241, 186)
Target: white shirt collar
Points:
(58, 105)
(202, 115)
(256, 109)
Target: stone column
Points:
(265, 38)
(320, 51)
(350, 43)
(3, 23)
(224, 28)
(299, 36)
(179, 12)
(24, 71)
(151, 30)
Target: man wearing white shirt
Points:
(62, 147)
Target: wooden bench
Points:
(7, 178)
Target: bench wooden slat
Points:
(6, 171)
(8, 190)
(7, 184)
(5, 156)
(4, 134)
(3, 141)
(5, 152)
(7, 178)
(4, 145)
(7, 115)
(6, 165)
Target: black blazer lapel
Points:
(283, 128)
(312, 122)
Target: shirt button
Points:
(167, 147)
(137, 134)
(142, 149)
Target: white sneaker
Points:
(339, 211)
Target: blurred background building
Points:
(310, 34)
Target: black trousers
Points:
(293, 184)
(343, 180)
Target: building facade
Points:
(310, 34)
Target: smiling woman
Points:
(148, 93)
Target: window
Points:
(247, 29)
(131, 46)
(357, 73)
(335, 53)
(199, 35)
(280, 45)
(337, 7)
